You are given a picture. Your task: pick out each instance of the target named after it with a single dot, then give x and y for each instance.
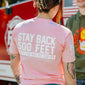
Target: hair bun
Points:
(43, 4)
(46, 5)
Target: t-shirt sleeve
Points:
(13, 46)
(68, 54)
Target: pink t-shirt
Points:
(43, 45)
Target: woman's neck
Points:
(44, 15)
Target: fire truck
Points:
(12, 14)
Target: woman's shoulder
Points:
(23, 24)
(62, 28)
(63, 31)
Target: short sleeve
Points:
(68, 54)
(13, 46)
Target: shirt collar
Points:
(79, 14)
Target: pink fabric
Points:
(42, 45)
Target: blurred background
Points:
(2, 2)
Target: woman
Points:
(42, 51)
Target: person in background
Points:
(76, 24)
(42, 51)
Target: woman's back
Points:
(44, 49)
(40, 47)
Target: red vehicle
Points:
(10, 15)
